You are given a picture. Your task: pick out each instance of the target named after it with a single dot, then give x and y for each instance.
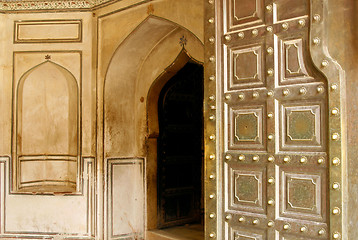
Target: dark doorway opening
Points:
(180, 148)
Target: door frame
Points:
(153, 134)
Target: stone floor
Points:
(187, 232)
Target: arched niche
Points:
(47, 130)
(138, 70)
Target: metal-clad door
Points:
(271, 135)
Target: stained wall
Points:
(73, 123)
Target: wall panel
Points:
(125, 198)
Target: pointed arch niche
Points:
(139, 68)
(47, 130)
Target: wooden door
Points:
(271, 103)
(180, 147)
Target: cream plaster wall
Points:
(47, 211)
(126, 45)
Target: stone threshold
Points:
(187, 232)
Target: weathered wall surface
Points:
(47, 125)
(129, 61)
(73, 123)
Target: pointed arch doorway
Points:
(175, 144)
(180, 148)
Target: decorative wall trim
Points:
(57, 5)
(44, 5)
(53, 31)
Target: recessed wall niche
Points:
(46, 134)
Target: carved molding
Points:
(19, 5)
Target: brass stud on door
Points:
(286, 159)
(334, 87)
(301, 22)
(270, 115)
(320, 160)
(270, 224)
(212, 78)
(270, 72)
(212, 59)
(255, 32)
(211, 20)
(321, 232)
(271, 202)
(241, 96)
(335, 136)
(228, 157)
(270, 93)
(303, 229)
(228, 217)
(286, 226)
(212, 215)
(256, 158)
(271, 159)
(303, 160)
(324, 63)
(228, 38)
(211, 39)
(335, 186)
(335, 111)
(303, 91)
(316, 40)
(336, 235)
(255, 222)
(241, 35)
(285, 92)
(269, 29)
(317, 18)
(212, 117)
(336, 211)
(241, 157)
(255, 94)
(212, 196)
(284, 26)
(212, 157)
(270, 50)
(228, 96)
(271, 180)
(336, 161)
(269, 8)
(320, 89)
(212, 235)
(241, 219)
